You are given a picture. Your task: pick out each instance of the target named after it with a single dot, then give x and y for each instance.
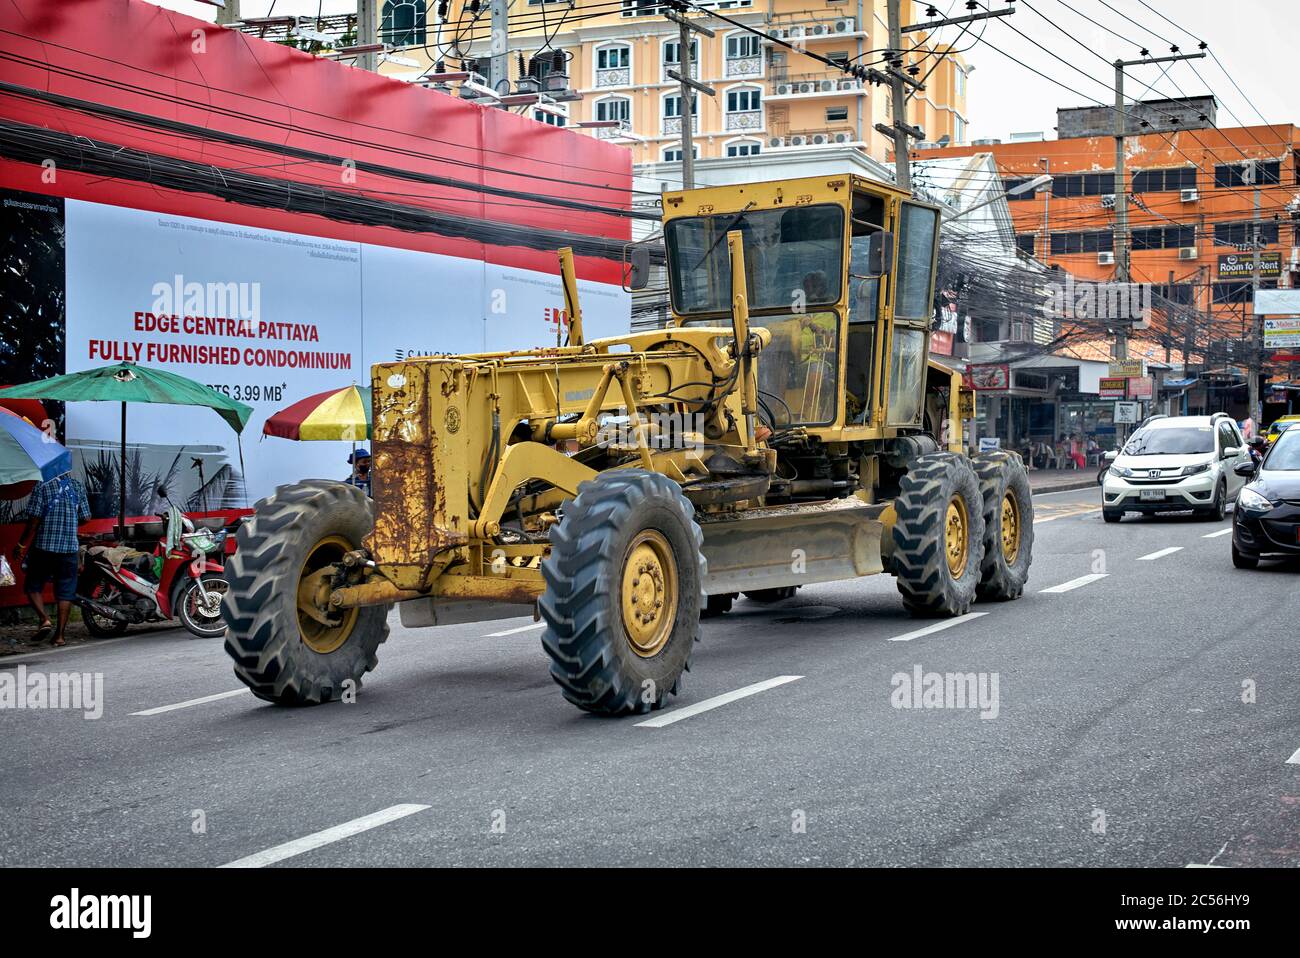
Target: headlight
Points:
(1121, 471)
(1196, 470)
(1250, 499)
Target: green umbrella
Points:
(127, 382)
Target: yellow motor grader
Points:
(787, 428)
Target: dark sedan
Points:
(1266, 521)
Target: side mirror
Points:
(1110, 455)
(1246, 469)
(1229, 452)
(880, 253)
(638, 267)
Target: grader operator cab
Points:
(787, 429)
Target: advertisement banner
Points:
(1141, 387)
(1281, 333)
(1126, 367)
(264, 316)
(990, 377)
(1113, 387)
(1242, 265)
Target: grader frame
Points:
(496, 474)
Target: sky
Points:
(1256, 41)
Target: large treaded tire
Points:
(1001, 474)
(263, 635)
(920, 561)
(592, 659)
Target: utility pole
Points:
(1121, 188)
(367, 33)
(900, 131)
(229, 13)
(499, 48)
(1255, 367)
(686, 84)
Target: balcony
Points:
(746, 120)
(676, 65)
(614, 76)
(673, 124)
(809, 86)
(794, 27)
(736, 67)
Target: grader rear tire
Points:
(938, 535)
(281, 653)
(623, 592)
(1008, 525)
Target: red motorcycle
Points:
(182, 578)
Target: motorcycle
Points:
(121, 586)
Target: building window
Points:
(614, 108)
(1091, 241)
(673, 57)
(959, 130)
(744, 148)
(1083, 184)
(1164, 181)
(674, 154)
(744, 109)
(741, 45)
(835, 114)
(1164, 237)
(960, 78)
(1239, 291)
(1253, 173)
(613, 58)
(673, 105)
(656, 8)
(1242, 235)
(1180, 294)
(839, 56)
(1025, 242)
(550, 119)
(402, 23)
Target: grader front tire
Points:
(623, 592)
(1008, 525)
(283, 654)
(938, 536)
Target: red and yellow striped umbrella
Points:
(338, 414)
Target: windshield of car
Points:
(1281, 427)
(1171, 441)
(1285, 454)
(793, 258)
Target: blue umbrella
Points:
(27, 453)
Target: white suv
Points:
(1174, 463)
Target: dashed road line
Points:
(1215, 535)
(330, 835)
(1074, 583)
(1065, 515)
(1159, 554)
(1295, 758)
(523, 628)
(937, 627)
(676, 715)
(200, 701)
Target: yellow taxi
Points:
(1280, 425)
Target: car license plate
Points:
(1150, 495)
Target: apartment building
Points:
(769, 97)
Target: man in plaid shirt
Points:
(54, 510)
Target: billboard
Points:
(1242, 265)
(267, 317)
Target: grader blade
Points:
(791, 545)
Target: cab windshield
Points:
(1171, 441)
(793, 258)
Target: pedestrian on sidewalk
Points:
(50, 546)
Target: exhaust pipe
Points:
(100, 609)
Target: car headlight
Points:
(1196, 470)
(1121, 471)
(1250, 499)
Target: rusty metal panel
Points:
(419, 481)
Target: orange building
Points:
(1191, 201)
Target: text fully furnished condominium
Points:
(769, 97)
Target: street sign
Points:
(990, 443)
(1126, 367)
(1126, 412)
(1115, 387)
(1280, 333)
(1242, 265)
(1140, 387)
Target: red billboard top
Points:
(178, 69)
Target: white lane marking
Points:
(1060, 492)
(676, 715)
(184, 705)
(937, 627)
(1159, 554)
(1194, 865)
(1295, 758)
(1075, 583)
(523, 628)
(1215, 535)
(1065, 515)
(317, 839)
